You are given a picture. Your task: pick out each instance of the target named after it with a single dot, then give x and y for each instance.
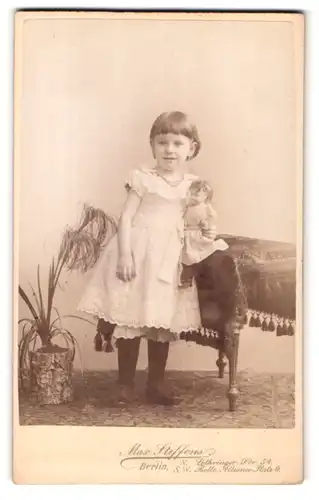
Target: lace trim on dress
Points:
(100, 315)
(159, 335)
(146, 180)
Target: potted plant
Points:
(46, 371)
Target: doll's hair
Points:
(200, 185)
(176, 122)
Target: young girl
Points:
(200, 217)
(135, 284)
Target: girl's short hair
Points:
(201, 185)
(176, 122)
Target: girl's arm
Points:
(125, 266)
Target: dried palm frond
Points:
(81, 247)
(96, 222)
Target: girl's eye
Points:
(178, 143)
(161, 142)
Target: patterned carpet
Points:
(266, 401)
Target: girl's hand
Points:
(125, 268)
(208, 233)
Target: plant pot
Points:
(51, 375)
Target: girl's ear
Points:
(192, 149)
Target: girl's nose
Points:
(169, 147)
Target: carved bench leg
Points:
(233, 392)
(221, 363)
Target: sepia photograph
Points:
(158, 220)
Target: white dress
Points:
(196, 246)
(152, 300)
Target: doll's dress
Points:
(196, 246)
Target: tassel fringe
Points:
(205, 337)
(270, 323)
(103, 337)
(98, 342)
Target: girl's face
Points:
(172, 150)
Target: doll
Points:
(199, 229)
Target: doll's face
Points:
(197, 196)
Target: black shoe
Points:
(156, 397)
(126, 395)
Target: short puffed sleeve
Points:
(136, 182)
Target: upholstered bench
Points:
(253, 282)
